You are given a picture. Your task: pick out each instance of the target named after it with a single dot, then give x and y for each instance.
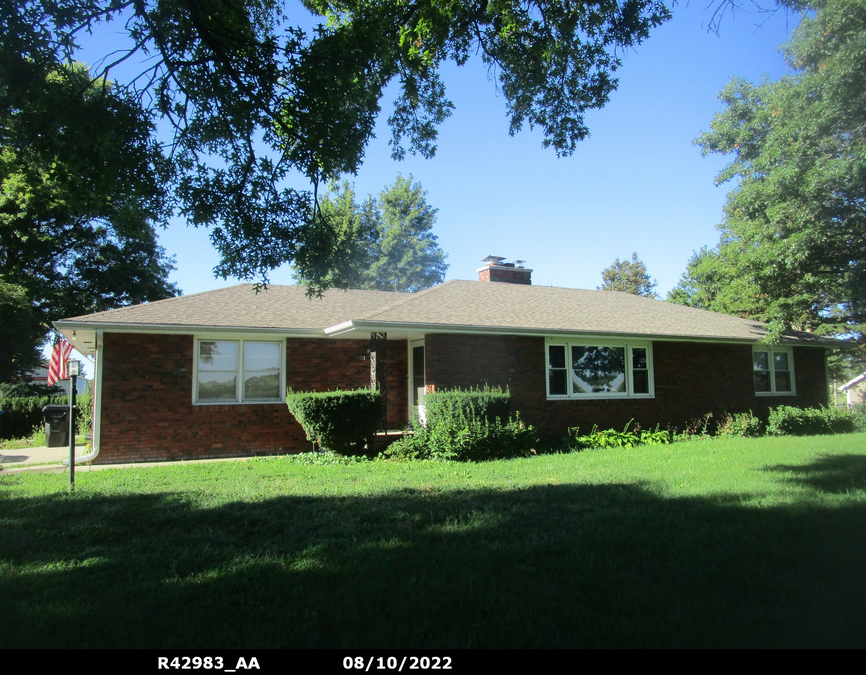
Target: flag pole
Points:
(73, 368)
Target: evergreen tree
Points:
(385, 244)
(628, 276)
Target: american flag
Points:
(57, 366)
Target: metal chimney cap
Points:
(492, 259)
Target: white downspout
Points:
(97, 405)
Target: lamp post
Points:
(73, 370)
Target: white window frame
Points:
(628, 345)
(770, 351)
(239, 381)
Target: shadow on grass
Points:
(833, 474)
(551, 566)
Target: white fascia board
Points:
(185, 329)
(462, 329)
(853, 383)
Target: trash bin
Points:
(56, 418)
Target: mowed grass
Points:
(724, 543)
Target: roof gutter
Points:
(360, 325)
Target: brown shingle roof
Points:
(279, 307)
(475, 304)
(454, 305)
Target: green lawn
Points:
(724, 543)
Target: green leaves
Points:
(264, 112)
(385, 244)
(82, 187)
(628, 277)
(793, 243)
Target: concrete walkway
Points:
(42, 458)
(50, 460)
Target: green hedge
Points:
(22, 413)
(342, 421)
(789, 421)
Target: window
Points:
(239, 371)
(773, 370)
(583, 370)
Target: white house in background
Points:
(40, 375)
(855, 390)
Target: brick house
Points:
(204, 375)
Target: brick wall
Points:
(508, 275)
(148, 415)
(691, 379)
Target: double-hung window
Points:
(599, 370)
(773, 370)
(239, 371)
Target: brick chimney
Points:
(496, 269)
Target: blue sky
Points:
(638, 184)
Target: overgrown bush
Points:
(474, 439)
(790, 421)
(741, 425)
(466, 425)
(342, 421)
(450, 406)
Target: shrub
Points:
(451, 406)
(742, 425)
(22, 413)
(342, 421)
(471, 425)
(475, 439)
(790, 421)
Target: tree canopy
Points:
(386, 243)
(254, 100)
(20, 333)
(82, 185)
(628, 276)
(793, 238)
